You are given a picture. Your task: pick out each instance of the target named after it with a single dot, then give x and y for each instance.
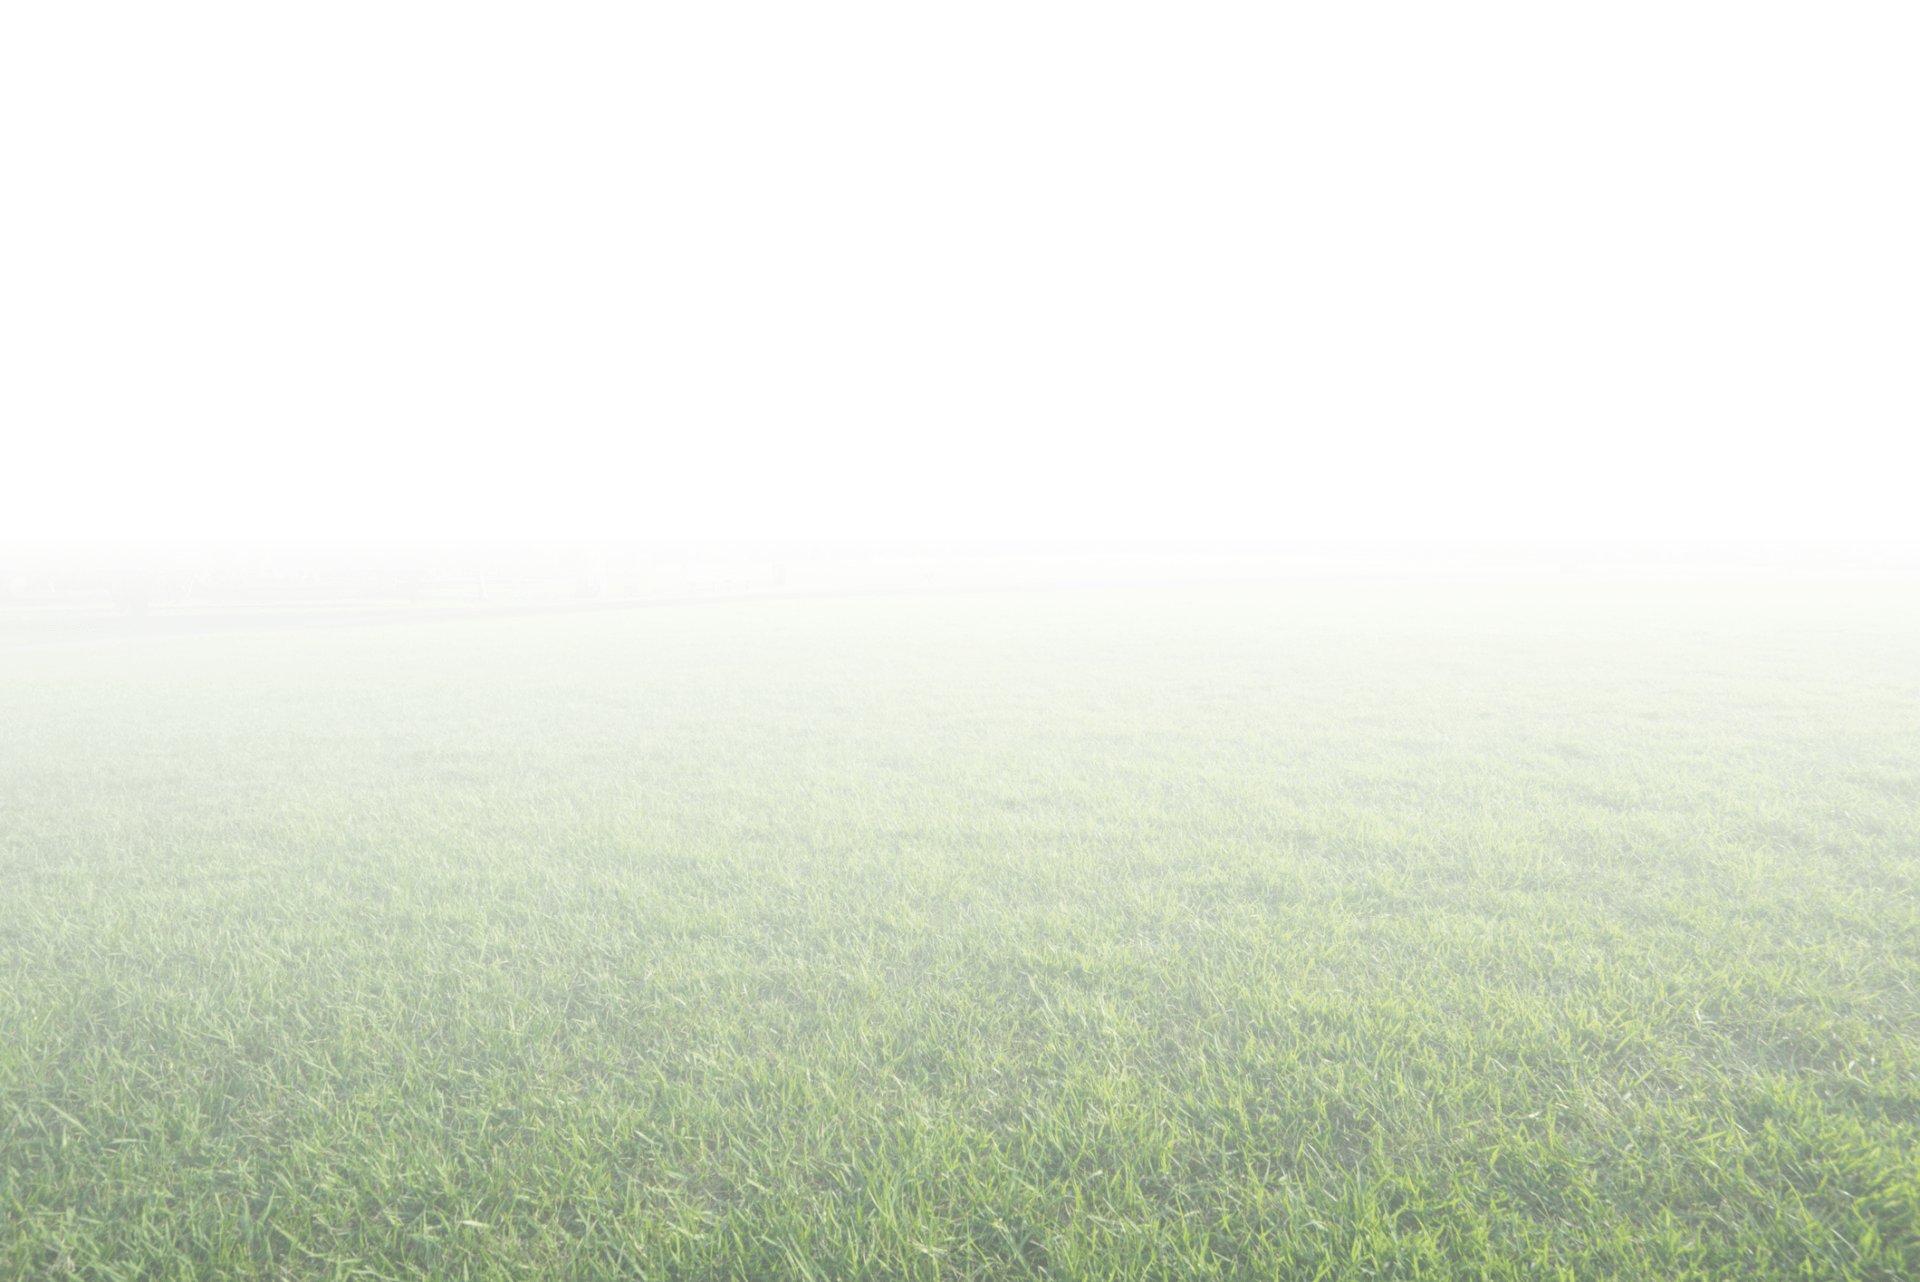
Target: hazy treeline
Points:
(131, 580)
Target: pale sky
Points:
(1390, 273)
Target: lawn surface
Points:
(1398, 929)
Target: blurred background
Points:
(732, 284)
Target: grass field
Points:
(1448, 930)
